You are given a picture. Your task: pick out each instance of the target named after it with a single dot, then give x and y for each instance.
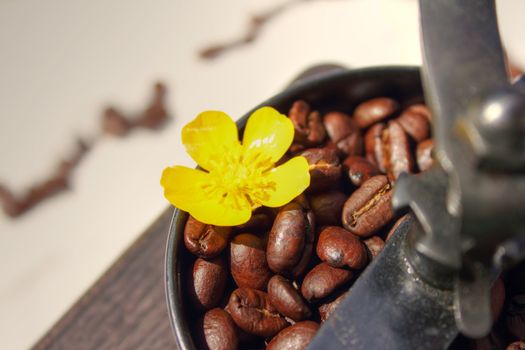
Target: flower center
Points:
(238, 179)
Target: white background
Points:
(62, 61)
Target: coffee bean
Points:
(322, 280)
(208, 282)
(394, 228)
(374, 146)
(517, 345)
(344, 133)
(374, 110)
(369, 208)
(339, 125)
(388, 148)
(300, 200)
(248, 261)
(245, 339)
(327, 308)
(515, 316)
(424, 154)
(204, 240)
(359, 169)
(291, 239)
(260, 221)
(220, 332)
(338, 248)
(309, 129)
(325, 168)
(327, 207)
(374, 245)
(252, 312)
(287, 299)
(397, 156)
(415, 124)
(420, 109)
(296, 337)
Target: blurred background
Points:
(62, 63)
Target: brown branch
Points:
(58, 181)
(153, 117)
(255, 25)
(113, 123)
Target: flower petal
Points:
(269, 132)
(209, 136)
(212, 211)
(291, 179)
(183, 188)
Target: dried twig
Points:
(113, 123)
(256, 23)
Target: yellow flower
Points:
(238, 177)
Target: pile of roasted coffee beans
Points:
(269, 283)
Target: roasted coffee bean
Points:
(374, 110)
(325, 168)
(344, 133)
(359, 169)
(296, 337)
(497, 298)
(287, 300)
(322, 280)
(420, 109)
(206, 241)
(374, 245)
(291, 239)
(515, 316)
(327, 207)
(374, 146)
(252, 312)
(415, 124)
(220, 332)
(424, 154)
(248, 261)
(245, 338)
(301, 200)
(326, 309)
(309, 129)
(208, 282)
(260, 221)
(338, 248)
(339, 125)
(517, 345)
(368, 209)
(394, 228)
(397, 156)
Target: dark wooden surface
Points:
(126, 308)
